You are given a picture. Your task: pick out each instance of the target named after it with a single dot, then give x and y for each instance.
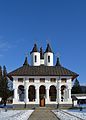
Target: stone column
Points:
(47, 95)
(37, 95)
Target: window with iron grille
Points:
(20, 79)
(31, 79)
(42, 79)
(63, 80)
(52, 79)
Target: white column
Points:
(65, 95)
(15, 94)
(15, 91)
(69, 93)
(37, 95)
(26, 95)
(59, 91)
(59, 95)
(26, 91)
(69, 83)
(47, 95)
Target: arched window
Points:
(49, 59)
(42, 91)
(35, 58)
(31, 93)
(52, 93)
(21, 92)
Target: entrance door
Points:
(42, 102)
(42, 93)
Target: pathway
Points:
(43, 114)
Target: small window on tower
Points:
(48, 58)
(35, 58)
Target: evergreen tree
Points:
(4, 89)
(0, 72)
(76, 89)
(0, 80)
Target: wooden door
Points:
(42, 102)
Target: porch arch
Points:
(31, 93)
(63, 93)
(21, 92)
(52, 93)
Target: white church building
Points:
(41, 83)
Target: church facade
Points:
(42, 84)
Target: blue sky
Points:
(60, 22)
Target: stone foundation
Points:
(33, 106)
(65, 105)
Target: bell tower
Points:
(35, 56)
(48, 56)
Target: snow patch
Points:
(15, 114)
(64, 116)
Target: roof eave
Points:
(75, 76)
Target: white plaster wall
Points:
(68, 85)
(41, 61)
(33, 63)
(47, 85)
(46, 59)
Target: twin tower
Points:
(41, 58)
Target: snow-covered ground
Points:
(15, 114)
(81, 105)
(64, 116)
(78, 113)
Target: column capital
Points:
(69, 87)
(47, 87)
(59, 81)
(36, 87)
(25, 86)
(25, 81)
(58, 87)
(15, 86)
